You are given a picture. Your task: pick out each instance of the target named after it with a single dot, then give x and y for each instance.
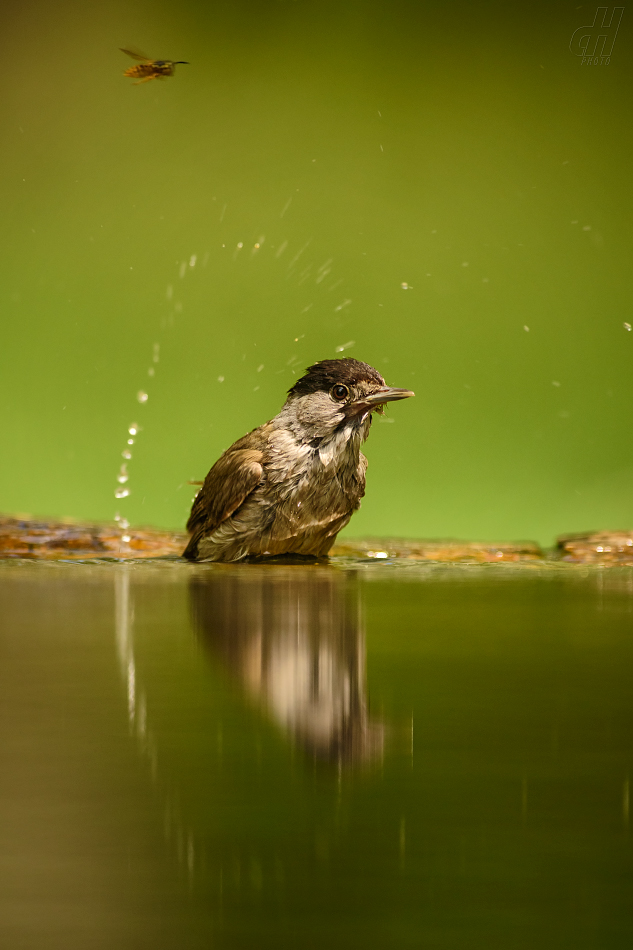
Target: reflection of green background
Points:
(499, 816)
(460, 149)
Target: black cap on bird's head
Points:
(354, 386)
(327, 373)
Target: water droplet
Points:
(124, 523)
(527, 329)
(404, 285)
(130, 441)
(555, 382)
(151, 371)
(122, 479)
(126, 454)
(156, 355)
(183, 269)
(142, 396)
(240, 244)
(627, 326)
(170, 291)
(121, 492)
(326, 266)
(134, 428)
(260, 367)
(345, 346)
(220, 379)
(192, 260)
(126, 538)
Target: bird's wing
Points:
(234, 476)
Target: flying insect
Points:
(150, 68)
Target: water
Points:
(352, 755)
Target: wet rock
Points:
(27, 537)
(40, 539)
(596, 547)
(448, 550)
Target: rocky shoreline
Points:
(40, 539)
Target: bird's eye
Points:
(340, 392)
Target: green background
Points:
(461, 149)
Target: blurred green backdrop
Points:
(443, 190)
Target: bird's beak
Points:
(379, 398)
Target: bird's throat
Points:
(343, 446)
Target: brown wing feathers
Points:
(234, 476)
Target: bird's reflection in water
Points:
(293, 636)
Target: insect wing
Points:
(136, 54)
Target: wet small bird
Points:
(290, 486)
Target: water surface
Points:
(346, 755)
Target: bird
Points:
(289, 486)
